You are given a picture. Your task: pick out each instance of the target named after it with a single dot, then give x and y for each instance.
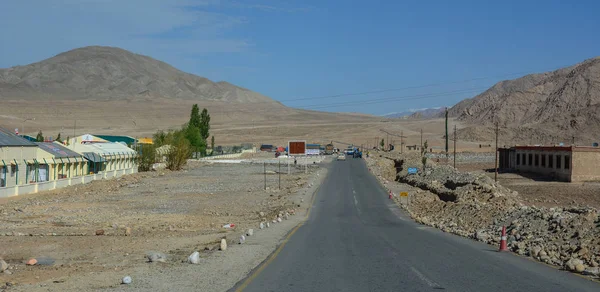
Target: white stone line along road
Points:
(355, 241)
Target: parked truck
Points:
(329, 149)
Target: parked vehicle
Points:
(329, 149)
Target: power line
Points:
(422, 86)
(149, 115)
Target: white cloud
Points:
(32, 30)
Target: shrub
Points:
(147, 157)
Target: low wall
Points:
(235, 155)
(61, 183)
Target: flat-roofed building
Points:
(563, 163)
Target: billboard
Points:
(297, 148)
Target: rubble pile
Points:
(474, 206)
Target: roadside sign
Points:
(403, 194)
(297, 148)
(412, 170)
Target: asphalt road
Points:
(355, 239)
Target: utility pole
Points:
(74, 127)
(454, 146)
(446, 134)
(496, 163)
(388, 142)
(421, 140)
(279, 172)
(401, 142)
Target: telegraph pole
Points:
(446, 134)
(421, 140)
(496, 163)
(454, 146)
(388, 142)
(401, 141)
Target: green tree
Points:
(204, 124)
(195, 117)
(212, 145)
(197, 144)
(159, 138)
(382, 143)
(58, 139)
(40, 137)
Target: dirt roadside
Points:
(175, 213)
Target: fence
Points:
(61, 183)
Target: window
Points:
(518, 159)
(537, 159)
(550, 161)
(523, 158)
(2, 176)
(530, 159)
(567, 160)
(13, 170)
(558, 161)
(543, 160)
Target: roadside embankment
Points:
(474, 206)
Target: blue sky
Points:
(296, 49)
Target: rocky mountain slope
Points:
(107, 72)
(549, 107)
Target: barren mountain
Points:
(429, 113)
(550, 107)
(106, 72)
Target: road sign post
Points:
(404, 194)
(298, 148)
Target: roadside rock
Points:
(31, 262)
(593, 271)
(154, 256)
(3, 266)
(127, 231)
(242, 239)
(250, 232)
(482, 236)
(100, 232)
(261, 225)
(223, 245)
(194, 258)
(126, 280)
(579, 268)
(572, 264)
(535, 251)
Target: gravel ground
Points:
(171, 212)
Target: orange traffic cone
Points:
(503, 240)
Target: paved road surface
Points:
(356, 240)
